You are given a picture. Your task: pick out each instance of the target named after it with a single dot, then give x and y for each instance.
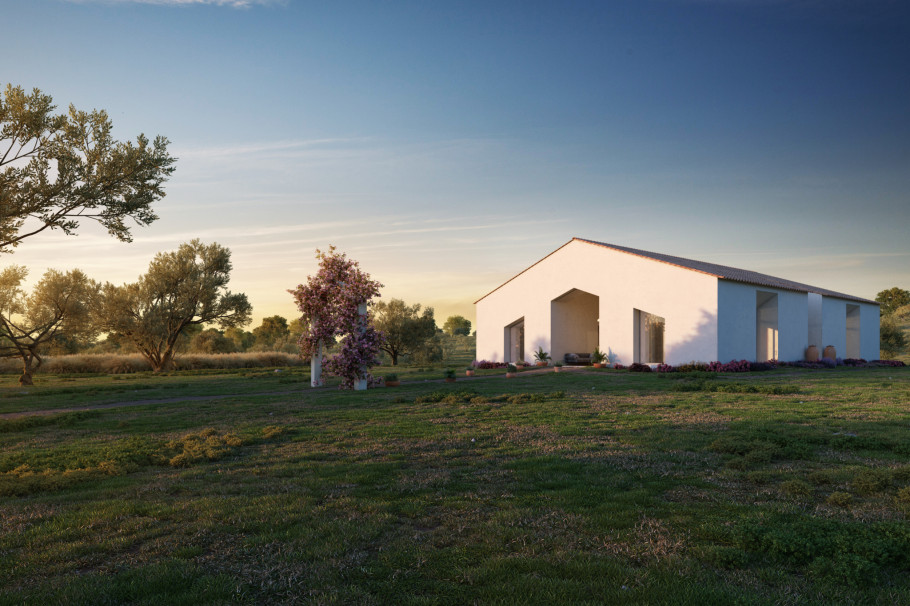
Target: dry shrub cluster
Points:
(129, 363)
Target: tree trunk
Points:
(26, 378)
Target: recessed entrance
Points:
(853, 347)
(515, 341)
(649, 337)
(765, 326)
(574, 324)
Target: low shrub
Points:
(870, 481)
(854, 362)
(731, 366)
(692, 367)
(892, 363)
(664, 368)
(839, 499)
(796, 489)
(636, 367)
(486, 364)
(902, 500)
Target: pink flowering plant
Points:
(329, 304)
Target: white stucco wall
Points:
(869, 331)
(834, 327)
(686, 299)
(815, 320)
(736, 323)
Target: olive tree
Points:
(892, 299)
(59, 169)
(59, 305)
(408, 332)
(187, 287)
(457, 325)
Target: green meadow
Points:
(584, 487)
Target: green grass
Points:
(788, 487)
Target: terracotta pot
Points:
(598, 365)
(392, 383)
(469, 373)
(556, 368)
(812, 354)
(543, 363)
(450, 379)
(511, 375)
(830, 352)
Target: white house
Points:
(639, 306)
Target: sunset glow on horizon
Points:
(448, 147)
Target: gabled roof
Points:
(712, 269)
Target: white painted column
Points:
(316, 367)
(361, 383)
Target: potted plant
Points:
(511, 371)
(598, 358)
(469, 371)
(557, 366)
(391, 380)
(450, 375)
(542, 357)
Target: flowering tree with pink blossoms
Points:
(333, 304)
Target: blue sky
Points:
(447, 146)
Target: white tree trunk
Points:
(316, 367)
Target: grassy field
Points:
(787, 487)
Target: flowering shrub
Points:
(486, 364)
(618, 366)
(828, 363)
(359, 350)
(803, 364)
(329, 303)
(894, 363)
(854, 362)
(731, 366)
(692, 367)
(664, 368)
(636, 367)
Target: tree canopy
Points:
(60, 304)
(892, 299)
(407, 331)
(272, 334)
(181, 289)
(57, 169)
(330, 303)
(457, 325)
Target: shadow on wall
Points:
(700, 346)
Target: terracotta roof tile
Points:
(730, 273)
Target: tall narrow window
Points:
(765, 326)
(853, 340)
(515, 341)
(650, 331)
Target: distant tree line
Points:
(57, 170)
